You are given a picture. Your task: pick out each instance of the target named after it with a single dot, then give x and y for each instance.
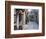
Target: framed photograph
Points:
(24, 19)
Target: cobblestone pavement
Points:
(31, 25)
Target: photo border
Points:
(25, 31)
(8, 19)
